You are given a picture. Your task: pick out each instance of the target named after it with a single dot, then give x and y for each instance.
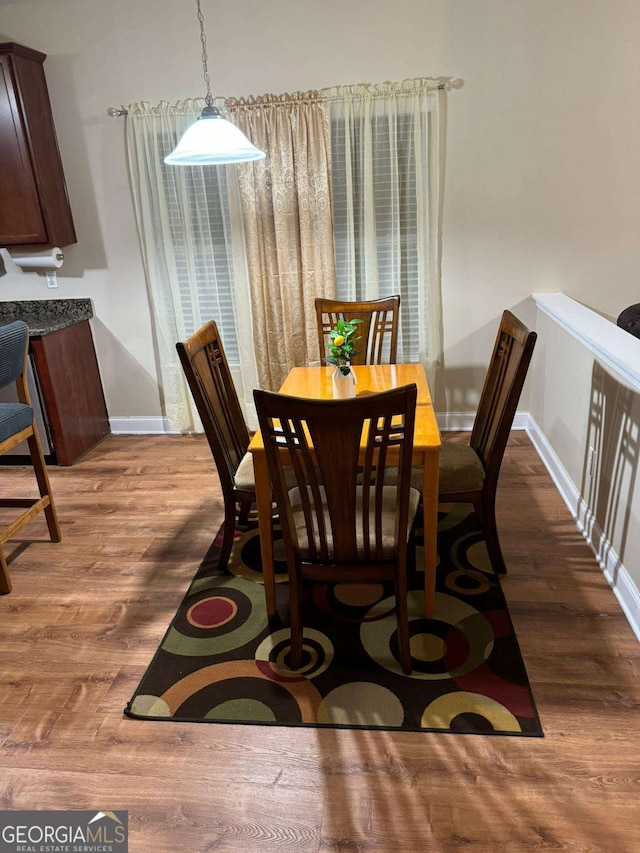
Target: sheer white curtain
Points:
(192, 240)
(386, 177)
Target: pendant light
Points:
(211, 140)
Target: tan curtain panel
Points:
(286, 209)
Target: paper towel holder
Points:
(47, 259)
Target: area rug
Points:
(221, 661)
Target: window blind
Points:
(202, 251)
(389, 193)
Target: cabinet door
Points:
(21, 220)
(69, 378)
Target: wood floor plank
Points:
(188, 815)
(138, 514)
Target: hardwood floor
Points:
(85, 617)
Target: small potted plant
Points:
(343, 349)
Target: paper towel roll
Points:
(50, 259)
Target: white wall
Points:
(585, 398)
(542, 174)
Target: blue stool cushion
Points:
(14, 417)
(13, 343)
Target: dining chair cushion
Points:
(389, 500)
(460, 468)
(245, 479)
(417, 477)
(14, 417)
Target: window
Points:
(385, 261)
(391, 261)
(202, 253)
(385, 193)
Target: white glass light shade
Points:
(213, 141)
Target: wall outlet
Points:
(52, 278)
(591, 461)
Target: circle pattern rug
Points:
(221, 661)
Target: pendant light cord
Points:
(205, 58)
(211, 140)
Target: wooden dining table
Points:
(315, 383)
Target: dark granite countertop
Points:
(44, 316)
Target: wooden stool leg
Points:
(5, 578)
(40, 468)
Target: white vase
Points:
(344, 384)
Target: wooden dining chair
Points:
(469, 472)
(339, 522)
(17, 425)
(207, 371)
(378, 331)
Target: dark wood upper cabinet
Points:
(34, 206)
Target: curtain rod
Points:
(445, 86)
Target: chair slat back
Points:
(378, 331)
(207, 371)
(501, 392)
(339, 500)
(14, 339)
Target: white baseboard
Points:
(141, 426)
(463, 421)
(447, 422)
(454, 421)
(612, 567)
